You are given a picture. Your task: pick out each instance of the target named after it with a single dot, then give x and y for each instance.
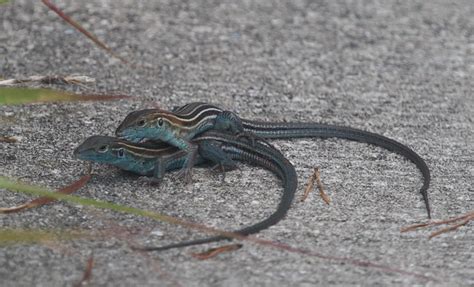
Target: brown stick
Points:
(8, 139)
(323, 195)
(87, 273)
(45, 200)
(440, 222)
(48, 80)
(309, 186)
(465, 219)
(213, 252)
(451, 228)
(89, 35)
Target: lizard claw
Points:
(221, 169)
(186, 174)
(155, 182)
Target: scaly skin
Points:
(176, 128)
(218, 147)
(183, 123)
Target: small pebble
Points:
(157, 232)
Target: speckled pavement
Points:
(400, 68)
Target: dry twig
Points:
(50, 80)
(8, 139)
(45, 200)
(213, 252)
(87, 273)
(88, 34)
(315, 177)
(464, 219)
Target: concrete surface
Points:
(400, 68)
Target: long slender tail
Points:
(270, 159)
(304, 130)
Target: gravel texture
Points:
(400, 68)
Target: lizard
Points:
(190, 122)
(218, 147)
(179, 126)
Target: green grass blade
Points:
(39, 191)
(17, 96)
(32, 236)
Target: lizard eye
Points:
(121, 153)
(160, 122)
(103, 149)
(141, 123)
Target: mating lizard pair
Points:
(183, 128)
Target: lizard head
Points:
(151, 124)
(102, 149)
(137, 158)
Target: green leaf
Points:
(30, 236)
(39, 191)
(16, 96)
(4, 1)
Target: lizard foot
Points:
(185, 173)
(153, 181)
(221, 169)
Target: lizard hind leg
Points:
(228, 121)
(214, 153)
(221, 170)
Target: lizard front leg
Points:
(159, 170)
(192, 152)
